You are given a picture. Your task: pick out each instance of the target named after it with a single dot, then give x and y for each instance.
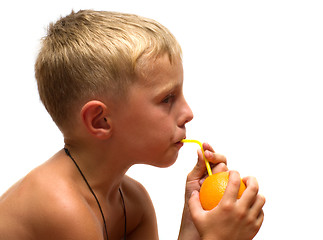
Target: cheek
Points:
(155, 141)
(155, 125)
(147, 132)
(163, 131)
(144, 132)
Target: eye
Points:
(169, 98)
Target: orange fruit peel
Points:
(213, 188)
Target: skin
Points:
(107, 138)
(53, 201)
(232, 219)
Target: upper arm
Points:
(140, 204)
(66, 220)
(31, 211)
(58, 212)
(147, 228)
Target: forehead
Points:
(159, 78)
(160, 72)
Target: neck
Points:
(102, 167)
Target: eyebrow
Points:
(169, 87)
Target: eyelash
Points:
(169, 98)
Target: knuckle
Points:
(234, 178)
(250, 220)
(254, 189)
(220, 158)
(257, 224)
(262, 199)
(255, 228)
(261, 218)
(224, 159)
(236, 182)
(215, 157)
(222, 167)
(227, 206)
(242, 214)
(253, 185)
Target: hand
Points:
(232, 219)
(196, 177)
(193, 183)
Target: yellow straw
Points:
(206, 161)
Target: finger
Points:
(199, 169)
(215, 157)
(231, 192)
(260, 219)
(249, 196)
(195, 206)
(256, 208)
(220, 167)
(211, 156)
(207, 146)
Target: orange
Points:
(213, 188)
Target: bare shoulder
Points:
(141, 214)
(44, 206)
(135, 189)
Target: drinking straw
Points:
(207, 164)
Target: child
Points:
(113, 84)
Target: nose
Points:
(186, 114)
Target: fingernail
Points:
(194, 192)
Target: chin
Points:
(165, 163)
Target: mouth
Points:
(180, 143)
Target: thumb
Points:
(199, 170)
(195, 206)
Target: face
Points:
(151, 122)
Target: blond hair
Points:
(94, 53)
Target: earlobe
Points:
(95, 119)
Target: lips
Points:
(180, 143)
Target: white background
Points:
(253, 73)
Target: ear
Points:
(96, 119)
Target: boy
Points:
(113, 83)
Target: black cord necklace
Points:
(96, 199)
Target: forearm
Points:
(188, 230)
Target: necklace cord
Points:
(97, 201)
(125, 215)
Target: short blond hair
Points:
(93, 53)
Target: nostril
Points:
(187, 118)
(190, 117)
